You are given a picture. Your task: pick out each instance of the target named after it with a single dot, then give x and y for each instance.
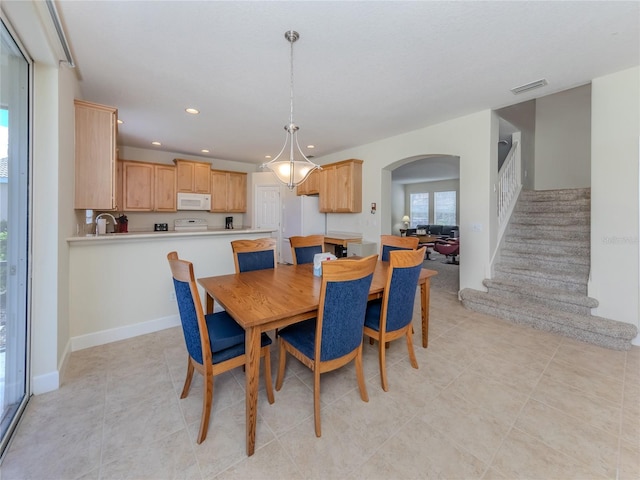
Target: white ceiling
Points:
(363, 70)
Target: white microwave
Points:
(194, 201)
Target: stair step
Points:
(548, 233)
(596, 330)
(565, 248)
(560, 279)
(549, 297)
(544, 259)
(555, 195)
(582, 206)
(566, 219)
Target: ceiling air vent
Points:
(529, 86)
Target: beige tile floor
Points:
(490, 400)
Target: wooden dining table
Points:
(263, 300)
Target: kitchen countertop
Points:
(115, 237)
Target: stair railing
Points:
(508, 190)
(509, 185)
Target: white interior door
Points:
(267, 210)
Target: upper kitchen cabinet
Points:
(341, 187)
(193, 177)
(95, 151)
(228, 192)
(148, 187)
(165, 179)
(311, 186)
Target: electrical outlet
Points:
(172, 295)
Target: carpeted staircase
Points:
(540, 278)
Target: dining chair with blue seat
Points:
(215, 342)
(389, 243)
(304, 249)
(391, 318)
(249, 255)
(334, 338)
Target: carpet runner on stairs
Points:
(540, 278)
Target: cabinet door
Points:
(201, 178)
(165, 188)
(185, 175)
(137, 182)
(327, 189)
(344, 188)
(341, 187)
(237, 192)
(218, 191)
(311, 186)
(95, 156)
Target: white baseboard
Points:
(45, 383)
(122, 333)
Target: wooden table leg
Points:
(425, 291)
(209, 304)
(252, 377)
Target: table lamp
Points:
(406, 221)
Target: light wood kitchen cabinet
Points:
(95, 156)
(148, 187)
(193, 177)
(228, 192)
(311, 186)
(341, 187)
(165, 188)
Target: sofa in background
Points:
(448, 231)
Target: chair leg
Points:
(281, 364)
(267, 374)
(370, 340)
(207, 399)
(316, 401)
(360, 374)
(187, 380)
(382, 362)
(412, 353)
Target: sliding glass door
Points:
(14, 227)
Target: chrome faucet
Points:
(104, 215)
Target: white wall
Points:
(615, 137)
(469, 138)
(563, 140)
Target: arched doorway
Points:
(427, 190)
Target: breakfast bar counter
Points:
(120, 285)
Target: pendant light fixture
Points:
(294, 170)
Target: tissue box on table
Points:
(318, 258)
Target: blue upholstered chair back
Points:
(402, 294)
(189, 319)
(306, 254)
(344, 307)
(389, 248)
(249, 261)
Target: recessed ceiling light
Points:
(193, 111)
(529, 86)
(156, 143)
(204, 150)
(311, 146)
(120, 122)
(267, 156)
